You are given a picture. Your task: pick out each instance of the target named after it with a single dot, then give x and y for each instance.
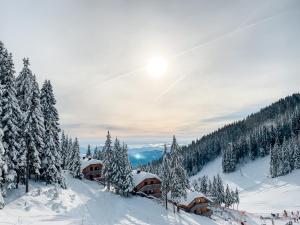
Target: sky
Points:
(225, 60)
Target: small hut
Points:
(196, 202)
(146, 183)
(91, 168)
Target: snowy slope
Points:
(258, 192)
(86, 202)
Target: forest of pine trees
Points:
(273, 130)
(30, 146)
(216, 190)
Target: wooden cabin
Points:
(197, 203)
(146, 183)
(92, 169)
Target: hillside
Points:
(88, 203)
(258, 192)
(275, 126)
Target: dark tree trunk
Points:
(166, 201)
(27, 174)
(18, 179)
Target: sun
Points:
(157, 66)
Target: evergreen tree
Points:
(203, 185)
(220, 190)
(3, 169)
(209, 190)
(64, 150)
(214, 191)
(284, 162)
(296, 155)
(11, 118)
(179, 183)
(96, 153)
(166, 176)
(51, 158)
(34, 134)
(116, 164)
(75, 163)
(274, 163)
(88, 152)
(126, 179)
(107, 160)
(227, 197)
(236, 198)
(194, 185)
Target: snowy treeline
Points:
(70, 155)
(174, 179)
(29, 128)
(117, 168)
(216, 190)
(285, 157)
(247, 139)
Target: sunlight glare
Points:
(157, 66)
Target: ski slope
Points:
(88, 203)
(258, 192)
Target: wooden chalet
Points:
(146, 183)
(197, 203)
(91, 168)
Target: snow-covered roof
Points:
(86, 162)
(139, 176)
(191, 195)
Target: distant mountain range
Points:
(140, 155)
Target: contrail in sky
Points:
(241, 27)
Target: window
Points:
(152, 182)
(145, 183)
(91, 168)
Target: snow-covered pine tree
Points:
(179, 184)
(126, 179)
(75, 163)
(11, 119)
(107, 160)
(116, 165)
(63, 149)
(274, 162)
(194, 185)
(209, 189)
(51, 158)
(166, 176)
(203, 185)
(229, 159)
(34, 133)
(220, 190)
(227, 197)
(3, 170)
(236, 198)
(88, 152)
(284, 162)
(70, 153)
(96, 153)
(296, 155)
(214, 190)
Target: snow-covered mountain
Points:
(259, 193)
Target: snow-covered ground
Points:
(88, 203)
(258, 192)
